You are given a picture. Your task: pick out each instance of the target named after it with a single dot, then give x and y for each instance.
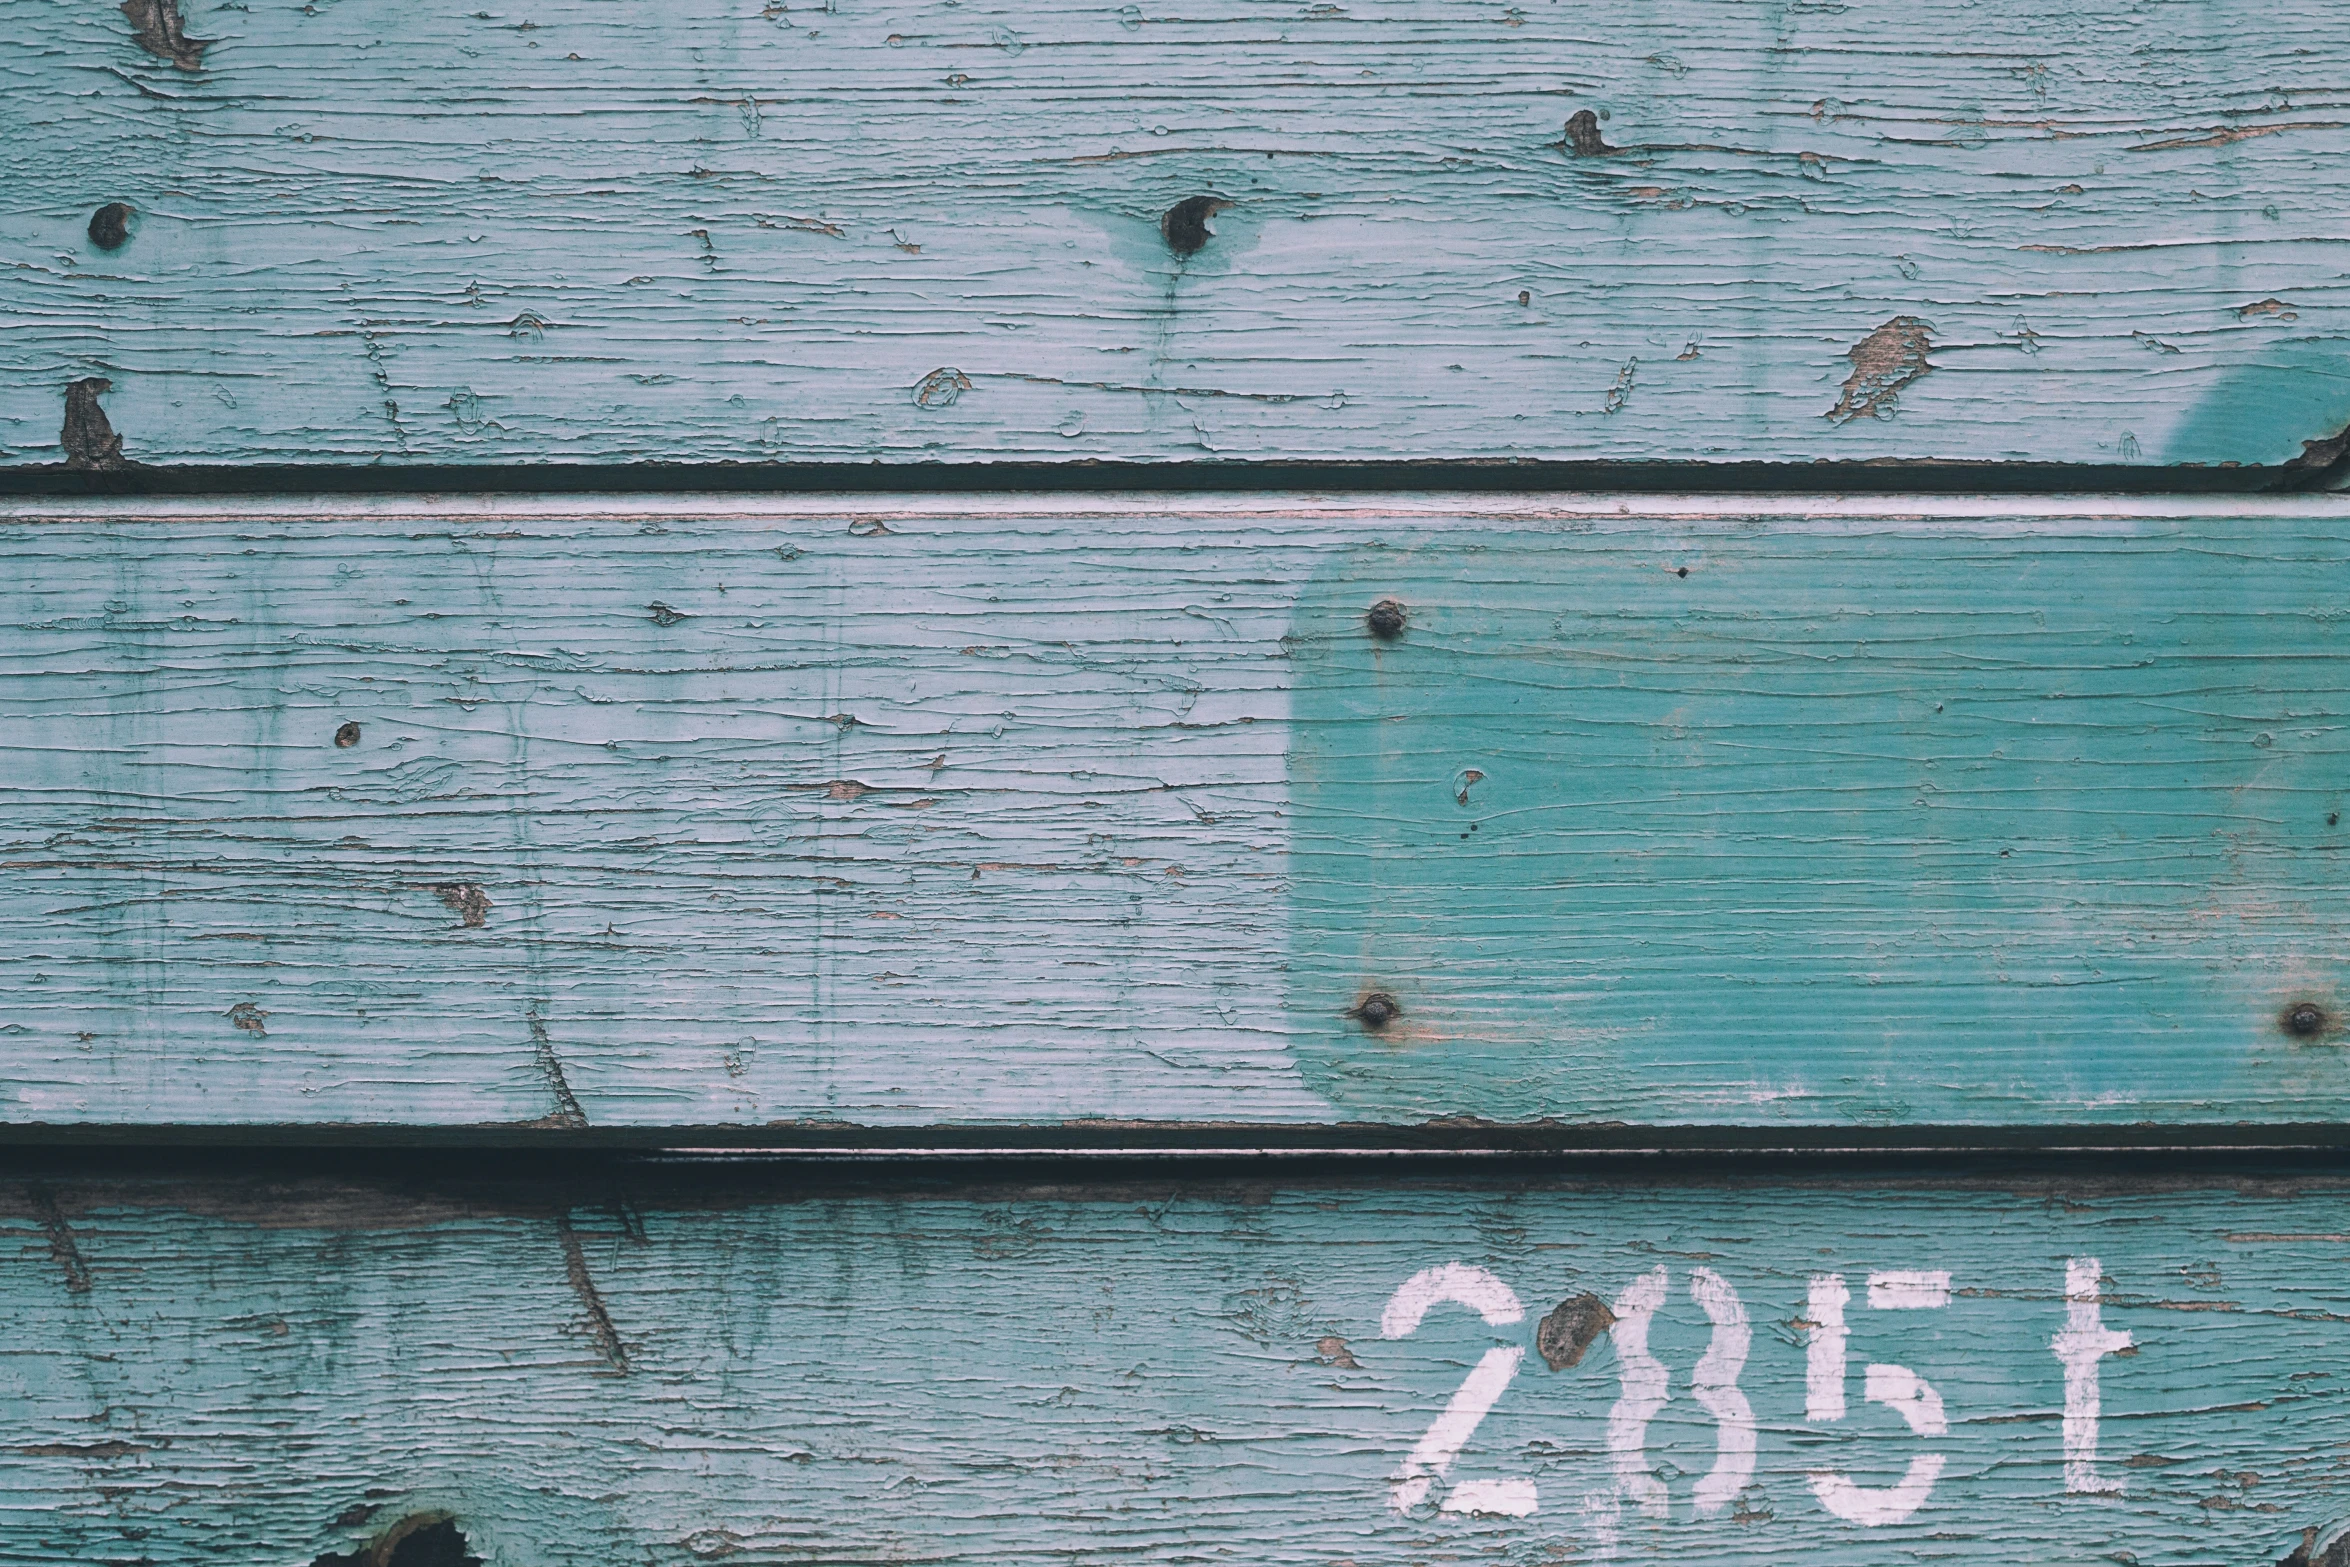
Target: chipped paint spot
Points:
(1884, 362)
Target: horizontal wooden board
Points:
(800, 817)
(814, 230)
(1251, 1369)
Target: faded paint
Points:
(960, 1367)
(427, 232)
(1024, 812)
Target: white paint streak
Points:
(2085, 1340)
(1644, 1391)
(1876, 1508)
(1442, 1442)
(1476, 1288)
(1921, 1291)
(1501, 1498)
(1823, 1355)
(1909, 1395)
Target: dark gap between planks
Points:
(1162, 478)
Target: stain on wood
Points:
(371, 233)
(967, 1367)
(1022, 812)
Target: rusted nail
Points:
(348, 735)
(1376, 1010)
(1583, 138)
(1386, 620)
(110, 226)
(2304, 1020)
(1185, 224)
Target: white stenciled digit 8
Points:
(1714, 1383)
(1432, 1456)
(1896, 1387)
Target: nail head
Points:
(1386, 620)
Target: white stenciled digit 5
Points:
(1896, 1387)
(1432, 1456)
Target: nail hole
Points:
(1525, 296)
(1386, 620)
(1376, 1010)
(348, 735)
(110, 226)
(2304, 1020)
(1583, 138)
(1185, 224)
(1683, 572)
(423, 1540)
(2333, 818)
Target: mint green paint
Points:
(708, 230)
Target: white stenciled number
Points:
(2085, 1340)
(1428, 1461)
(1714, 1384)
(1896, 1387)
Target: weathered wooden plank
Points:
(809, 815)
(966, 1369)
(581, 231)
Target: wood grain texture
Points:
(585, 231)
(1153, 1371)
(906, 814)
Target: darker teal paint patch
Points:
(1748, 826)
(2268, 407)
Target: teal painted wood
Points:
(805, 816)
(2102, 232)
(262, 1371)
